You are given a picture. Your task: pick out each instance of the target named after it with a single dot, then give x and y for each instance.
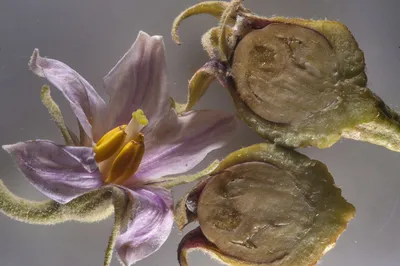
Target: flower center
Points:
(120, 151)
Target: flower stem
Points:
(383, 131)
(121, 205)
(91, 207)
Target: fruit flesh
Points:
(286, 73)
(256, 212)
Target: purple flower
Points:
(133, 140)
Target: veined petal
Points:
(139, 81)
(60, 172)
(150, 227)
(87, 105)
(179, 143)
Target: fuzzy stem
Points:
(121, 205)
(170, 182)
(55, 114)
(91, 207)
(383, 131)
(45, 212)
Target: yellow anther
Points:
(139, 138)
(110, 133)
(127, 162)
(140, 117)
(109, 144)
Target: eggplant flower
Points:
(264, 205)
(127, 144)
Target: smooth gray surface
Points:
(91, 36)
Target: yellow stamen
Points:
(109, 144)
(120, 151)
(139, 138)
(127, 162)
(109, 133)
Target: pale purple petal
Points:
(178, 143)
(150, 227)
(60, 172)
(139, 81)
(87, 105)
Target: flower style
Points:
(127, 144)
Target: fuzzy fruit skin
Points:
(264, 197)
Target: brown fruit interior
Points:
(255, 212)
(286, 73)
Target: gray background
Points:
(91, 36)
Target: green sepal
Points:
(214, 8)
(201, 80)
(55, 114)
(226, 18)
(209, 41)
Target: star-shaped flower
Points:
(128, 143)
